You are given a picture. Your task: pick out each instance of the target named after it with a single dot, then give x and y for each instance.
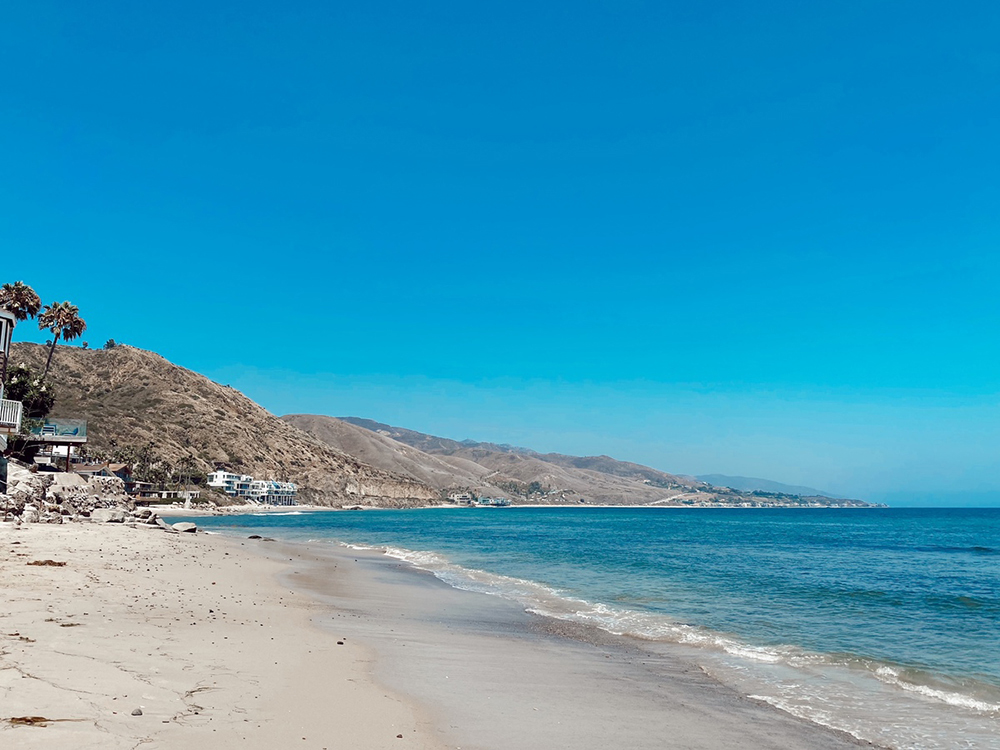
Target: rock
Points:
(137, 712)
(185, 526)
(107, 515)
(143, 512)
(254, 536)
(165, 526)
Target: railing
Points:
(61, 431)
(10, 415)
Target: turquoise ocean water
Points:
(881, 622)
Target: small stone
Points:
(137, 712)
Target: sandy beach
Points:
(192, 630)
(229, 642)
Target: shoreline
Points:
(235, 643)
(477, 662)
(236, 510)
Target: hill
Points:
(133, 397)
(392, 455)
(749, 484)
(525, 475)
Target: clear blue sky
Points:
(751, 238)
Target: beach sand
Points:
(225, 642)
(193, 630)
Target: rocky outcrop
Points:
(47, 497)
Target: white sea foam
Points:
(547, 601)
(891, 676)
(835, 691)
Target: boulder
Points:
(165, 526)
(107, 515)
(185, 526)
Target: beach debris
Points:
(185, 527)
(51, 563)
(28, 721)
(34, 721)
(137, 712)
(254, 536)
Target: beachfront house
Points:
(495, 502)
(10, 411)
(60, 439)
(256, 491)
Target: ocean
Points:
(884, 623)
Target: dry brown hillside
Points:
(392, 455)
(525, 475)
(517, 472)
(135, 397)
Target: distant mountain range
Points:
(749, 484)
(132, 397)
(525, 475)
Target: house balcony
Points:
(10, 416)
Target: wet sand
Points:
(494, 677)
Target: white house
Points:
(257, 491)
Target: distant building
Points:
(191, 493)
(495, 502)
(257, 491)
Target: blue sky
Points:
(744, 238)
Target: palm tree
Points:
(62, 319)
(20, 299)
